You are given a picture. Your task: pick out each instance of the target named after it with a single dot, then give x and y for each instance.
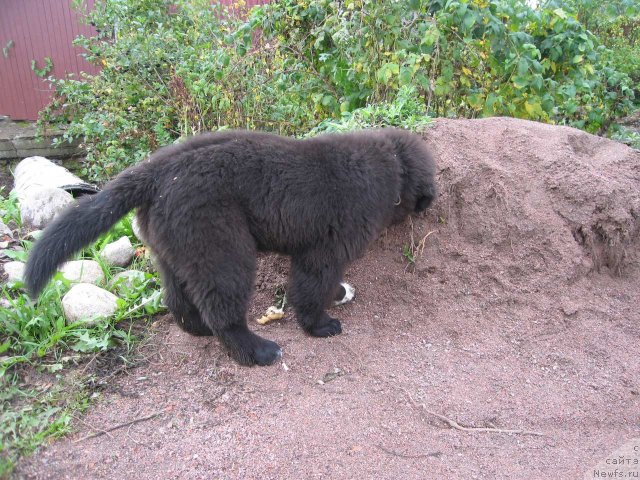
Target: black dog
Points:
(206, 206)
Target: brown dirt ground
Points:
(522, 312)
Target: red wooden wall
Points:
(37, 29)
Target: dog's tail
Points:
(83, 222)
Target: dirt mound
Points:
(518, 312)
(567, 200)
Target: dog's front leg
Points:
(312, 286)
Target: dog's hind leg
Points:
(184, 311)
(313, 284)
(218, 266)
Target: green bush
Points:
(617, 24)
(179, 67)
(467, 58)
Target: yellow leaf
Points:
(533, 109)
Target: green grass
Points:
(9, 209)
(405, 111)
(36, 338)
(627, 136)
(32, 416)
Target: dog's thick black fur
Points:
(206, 206)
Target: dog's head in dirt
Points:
(418, 186)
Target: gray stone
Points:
(38, 206)
(88, 302)
(14, 271)
(118, 253)
(4, 230)
(7, 149)
(82, 271)
(20, 139)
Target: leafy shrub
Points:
(617, 24)
(184, 66)
(467, 58)
(406, 111)
(174, 69)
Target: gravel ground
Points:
(520, 313)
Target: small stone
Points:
(82, 271)
(4, 230)
(39, 206)
(14, 271)
(88, 302)
(331, 376)
(118, 253)
(569, 308)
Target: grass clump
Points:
(41, 384)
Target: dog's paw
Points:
(266, 353)
(328, 328)
(346, 293)
(247, 348)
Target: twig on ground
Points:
(99, 432)
(116, 427)
(90, 362)
(405, 455)
(457, 426)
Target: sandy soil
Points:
(521, 313)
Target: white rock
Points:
(15, 271)
(127, 279)
(39, 171)
(4, 230)
(82, 271)
(40, 205)
(88, 302)
(118, 253)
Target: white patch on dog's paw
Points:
(349, 294)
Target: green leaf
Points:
(521, 82)
(405, 75)
(327, 100)
(469, 20)
(523, 67)
(560, 13)
(387, 71)
(537, 82)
